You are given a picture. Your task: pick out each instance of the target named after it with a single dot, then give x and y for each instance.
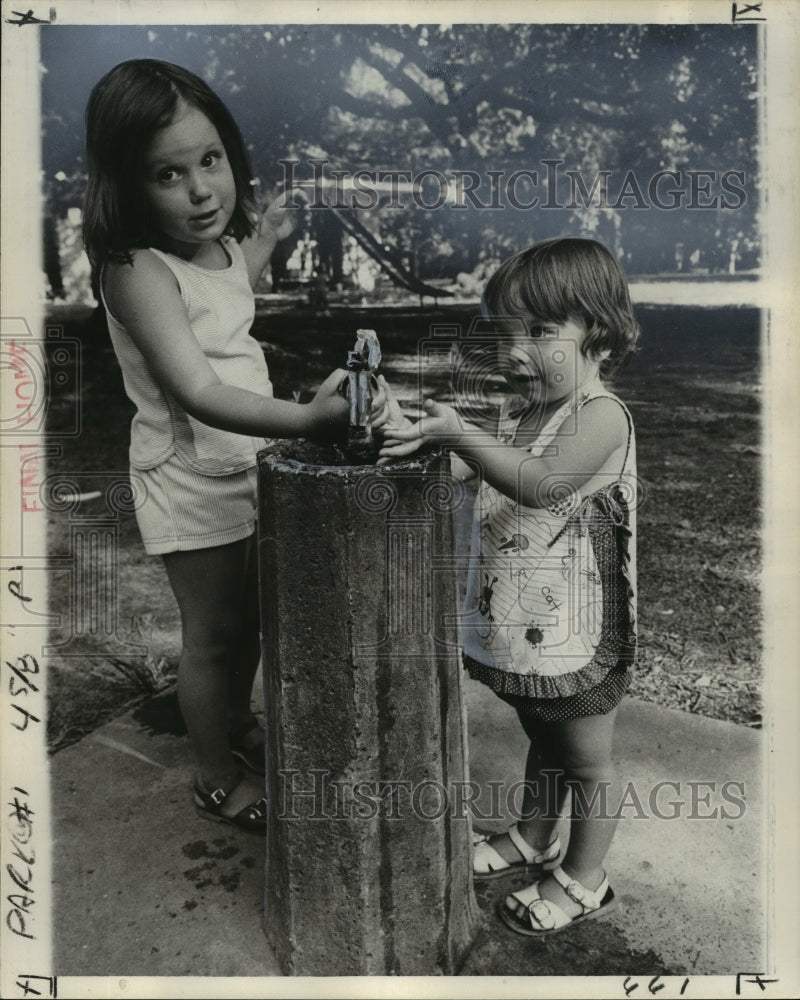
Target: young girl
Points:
(176, 248)
(549, 622)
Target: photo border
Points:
(25, 764)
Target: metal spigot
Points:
(361, 365)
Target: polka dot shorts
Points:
(597, 700)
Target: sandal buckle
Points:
(217, 796)
(541, 913)
(575, 891)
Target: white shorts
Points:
(178, 509)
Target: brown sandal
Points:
(252, 818)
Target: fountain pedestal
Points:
(368, 846)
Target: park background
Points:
(604, 100)
(613, 104)
(695, 392)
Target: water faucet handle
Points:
(356, 362)
(368, 348)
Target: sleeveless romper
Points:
(550, 615)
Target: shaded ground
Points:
(135, 895)
(695, 396)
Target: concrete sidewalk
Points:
(143, 887)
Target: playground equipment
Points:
(325, 195)
(389, 261)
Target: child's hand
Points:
(328, 405)
(441, 425)
(380, 404)
(386, 412)
(277, 220)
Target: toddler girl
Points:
(176, 247)
(549, 621)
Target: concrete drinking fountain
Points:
(368, 844)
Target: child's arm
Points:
(275, 224)
(463, 472)
(146, 300)
(601, 430)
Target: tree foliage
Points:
(601, 100)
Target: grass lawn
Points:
(694, 391)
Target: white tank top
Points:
(220, 309)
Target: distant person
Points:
(549, 620)
(278, 267)
(176, 248)
(52, 258)
(318, 291)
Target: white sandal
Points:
(488, 863)
(541, 916)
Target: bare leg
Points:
(591, 774)
(542, 799)
(544, 796)
(209, 586)
(247, 657)
(583, 749)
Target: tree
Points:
(591, 109)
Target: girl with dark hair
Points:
(549, 620)
(176, 247)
